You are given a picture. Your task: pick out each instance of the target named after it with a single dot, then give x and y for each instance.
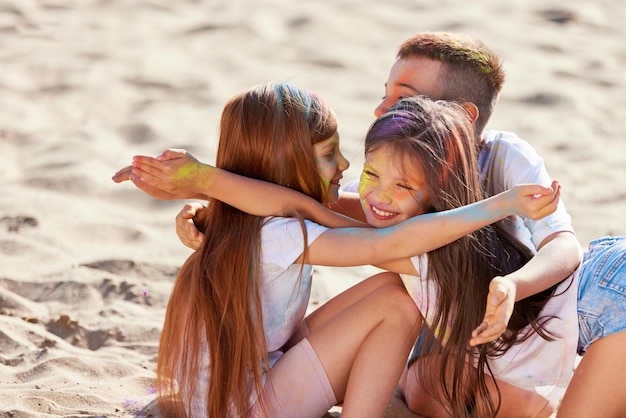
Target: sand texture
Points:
(86, 265)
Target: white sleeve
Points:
(352, 186)
(505, 160)
(282, 239)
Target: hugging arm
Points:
(557, 258)
(558, 252)
(418, 235)
(349, 204)
(176, 174)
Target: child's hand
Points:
(534, 201)
(175, 174)
(186, 229)
(500, 303)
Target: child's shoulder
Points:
(504, 137)
(506, 142)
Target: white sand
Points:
(86, 265)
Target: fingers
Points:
(189, 210)
(186, 229)
(150, 190)
(148, 164)
(480, 329)
(486, 333)
(155, 174)
(122, 175)
(549, 203)
(555, 185)
(539, 191)
(171, 154)
(543, 200)
(500, 302)
(489, 330)
(141, 166)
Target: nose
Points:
(342, 163)
(383, 195)
(382, 108)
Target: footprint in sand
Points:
(15, 223)
(69, 330)
(134, 269)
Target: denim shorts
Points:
(602, 291)
(420, 348)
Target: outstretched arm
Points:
(349, 204)
(418, 235)
(557, 258)
(558, 251)
(176, 174)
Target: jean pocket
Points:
(590, 330)
(613, 275)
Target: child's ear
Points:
(471, 109)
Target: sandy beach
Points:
(86, 265)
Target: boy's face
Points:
(389, 194)
(331, 164)
(408, 78)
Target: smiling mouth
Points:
(382, 213)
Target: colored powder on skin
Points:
(325, 181)
(476, 214)
(185, 172)
(194, 175)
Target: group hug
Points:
(485, 298)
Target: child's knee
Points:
(400, 305)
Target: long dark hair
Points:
(438, 137)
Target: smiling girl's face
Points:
(390, 190)
(331, 164)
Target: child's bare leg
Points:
(334, 306)
(515, 402)
(365, 346)
(597, 388)
(418, 400)
(350, 296)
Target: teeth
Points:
(381, 212)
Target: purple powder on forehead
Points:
(403, 123)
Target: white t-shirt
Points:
(506, 160)
(285, 292)
(536, 365)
